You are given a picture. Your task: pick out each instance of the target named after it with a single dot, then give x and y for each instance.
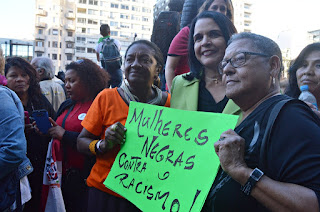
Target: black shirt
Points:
(293, 154)
(207, 103)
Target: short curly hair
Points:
(95, 78)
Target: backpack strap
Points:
(272, 117)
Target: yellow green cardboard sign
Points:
(168, 162)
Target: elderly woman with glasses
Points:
(270, 162)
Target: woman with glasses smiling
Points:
(270, 161)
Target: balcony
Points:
(41, 12)
(69, 39)
(70, 15)
(40, 37)
(39, 49)
(69, 51)
(41, 24)
(70, 27)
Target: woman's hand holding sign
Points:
(115, 134)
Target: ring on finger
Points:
(114, 127)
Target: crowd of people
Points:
(269, 162)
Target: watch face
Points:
(256, 174)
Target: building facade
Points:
(66, 30)
(242, 13)
(17, 48)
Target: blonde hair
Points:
(2, 62)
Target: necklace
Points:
(216, 80)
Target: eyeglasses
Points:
(238, 60)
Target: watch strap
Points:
(255, 176)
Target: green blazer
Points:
(185, 94)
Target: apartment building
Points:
(242, 13)
(66, 30)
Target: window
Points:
(54, 44)
(55, 32)
(69, 45)
(93, 2)
(135, 18)
(40, 31)
(82, 1)
(114, 5)
(124, 7)
(124, 25)
(114, 23)
(82, 10)
(60, 32)
(137, 9)
(125, 34)
(48, 43)
(114, 33)
(70, 34)
(144, 27)
(49, 55)
(83, 30)
(146, 19)
(103, 13)
(81, 39)
(69, 56)
(40, 43)
(90, 50)
(124, 16)
(59, 56)
(60, 45)
(92, 12)
(54, 56)
(90, 21)
(39, 55)
(146, 10)
(81, 49)
(82, 20)
(103, 3)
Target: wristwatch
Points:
(255, 176)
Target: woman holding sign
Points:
(104, 130)
(202, 89)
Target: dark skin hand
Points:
(114, 135)
(56, 131)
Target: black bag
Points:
(8, 190)
(110, 52)
(165, 29)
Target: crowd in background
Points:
(269, 162)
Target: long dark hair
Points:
(293, 88)
(91, 75)
(34, 91)
(227, 28)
